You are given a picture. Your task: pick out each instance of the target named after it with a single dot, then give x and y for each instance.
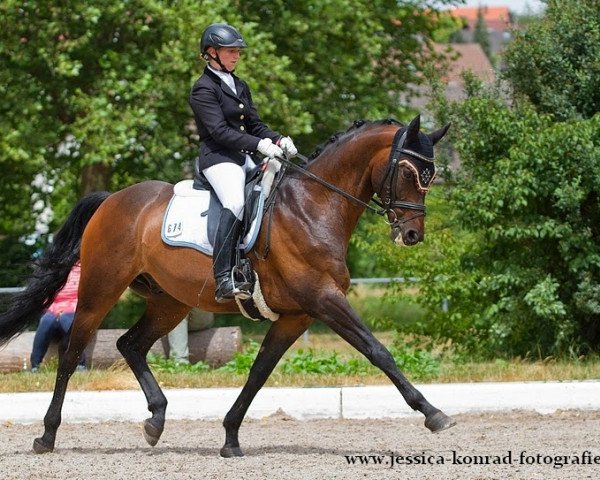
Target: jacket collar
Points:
(215, 78)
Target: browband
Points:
(421, 165)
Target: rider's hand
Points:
(269, 149)
(288, 147)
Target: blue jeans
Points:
(51, 327)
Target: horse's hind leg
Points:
(88, 317)
(66, 366)
(282, 334)
(162, 314)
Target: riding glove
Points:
(288, 147)
(269, 149)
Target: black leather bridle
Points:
(388, 200)
(422, 176)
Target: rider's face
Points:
(229, 57)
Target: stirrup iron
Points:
(242, 288)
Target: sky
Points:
(517, 6)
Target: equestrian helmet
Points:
(221, 35)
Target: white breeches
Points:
(228, 180)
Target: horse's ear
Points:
(412, 131)
(438, 134)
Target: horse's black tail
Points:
(50, 270)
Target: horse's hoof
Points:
(151, 433)
(438, 422)
(40, 447)
(231, 452)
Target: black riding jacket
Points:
(228, 124)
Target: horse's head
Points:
(404, 181)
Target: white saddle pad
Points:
(183, 223)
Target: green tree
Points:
(554, 61)
(95, 93)
(533, 205)
(352, 58)
(520, 267)
(481, 34)
(95, 97)
(514, 257)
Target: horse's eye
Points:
(407, 173)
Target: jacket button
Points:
(241, 117)
(242, 128)
(241, 105)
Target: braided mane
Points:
(340, 137)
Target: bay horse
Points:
(303, 277)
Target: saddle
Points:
(192, 217)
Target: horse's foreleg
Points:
(280, 337)
(161, 315)
(336, 312)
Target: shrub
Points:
(159, 363)
(416, 362)
(307, 361)
(242, 361)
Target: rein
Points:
(328, 185)
(387, 206)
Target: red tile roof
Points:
(470, 56)
(496, 18)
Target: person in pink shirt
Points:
(56, 322)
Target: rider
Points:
(231, 132)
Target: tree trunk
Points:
(214, 346)
(95, 177)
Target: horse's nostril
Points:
(412, 237)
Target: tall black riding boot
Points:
(226, 241)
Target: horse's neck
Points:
(348, 169)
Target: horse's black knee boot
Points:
(226, 241)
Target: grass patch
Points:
(319, 360)
(119, 377)
(521, 370)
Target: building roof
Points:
(469, 56)
(496, 18)
(460, 57)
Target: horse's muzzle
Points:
(408, 237)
